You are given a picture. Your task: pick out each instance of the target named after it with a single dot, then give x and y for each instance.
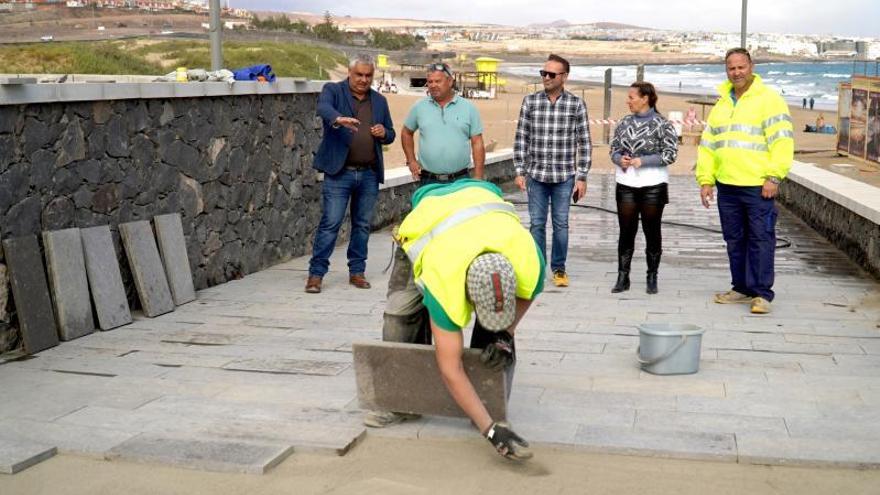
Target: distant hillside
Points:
(595, 25)
(555, 24)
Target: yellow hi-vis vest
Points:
(746, 142)
(452, 225)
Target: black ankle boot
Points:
(623, 263)
(653, 264)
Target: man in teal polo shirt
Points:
(450, 133)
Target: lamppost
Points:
(743, 30)
(216, 44)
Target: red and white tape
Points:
(674, 121)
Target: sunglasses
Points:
(551, 75)
(440, 67)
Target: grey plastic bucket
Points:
(669, 348)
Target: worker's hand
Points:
(520, 182)
(707, 195)
(769, 190)
(635, 162)
(625, 161)
(580, 190)
(415, 168)
(500, 353)
(378, 131)
(507, 442)
(348, 122)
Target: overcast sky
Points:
(842, 17)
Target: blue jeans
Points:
(556, 198)
(748, 222)
(362, 188)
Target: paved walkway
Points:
(256, 366)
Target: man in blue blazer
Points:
(357, 123)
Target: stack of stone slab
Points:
(83, 262)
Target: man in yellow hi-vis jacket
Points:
(463, 250)
(746, 150)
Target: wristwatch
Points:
(775, 180)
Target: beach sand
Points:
(500, 114)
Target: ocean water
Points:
(794, 81)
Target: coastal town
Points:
(102, 19)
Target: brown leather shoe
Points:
(313, 285)
(358, 280)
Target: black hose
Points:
(781, 242)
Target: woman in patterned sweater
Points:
(644, 145)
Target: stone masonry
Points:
(237, 168)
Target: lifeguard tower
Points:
(483, 82)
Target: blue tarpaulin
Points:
(251, 73)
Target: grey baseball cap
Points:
(491, 288)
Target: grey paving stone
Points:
(18, 455)
(785, 451)
(288, 366)
(674, 444)
(207, 455)
(30, 293)
(69, 438)
(708, 422)
(105, 279)
(67, 280)
(172, 246)
(304, 435)
(404, 378)
(146, 267)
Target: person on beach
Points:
(450, 133)
(462, 249)
(812, 102)
(746, 150)
(804, 105)
(551, 153)
(643, 147)
(356, 123)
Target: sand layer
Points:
(391, 467)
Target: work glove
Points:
(507, 442)
(500, 353)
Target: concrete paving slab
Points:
(30, 292)
(67, 281)
(404, 378)
(671, 444)
(206, 455)
(755, 372)
(287, 366)
(146, 268)
(17, 456)
(654, 420)
(172, 247)
(105, 279)
(785, 451)
(69, 438)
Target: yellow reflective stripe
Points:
(776, 119)
(456, 218)
(748, 129)
(734, 143)
(784, 133)
(743, 145)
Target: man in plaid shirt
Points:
(551, 154)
